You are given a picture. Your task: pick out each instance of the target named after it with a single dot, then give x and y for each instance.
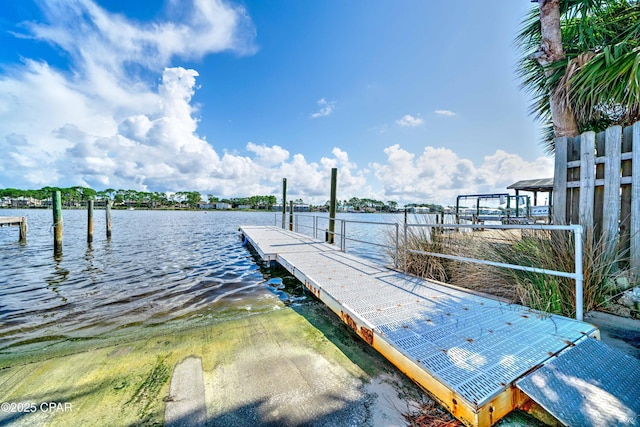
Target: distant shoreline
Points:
(126, 208)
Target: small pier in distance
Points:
(19, 221)
(480, 357)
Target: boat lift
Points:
(522, 208)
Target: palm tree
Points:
(581, 62)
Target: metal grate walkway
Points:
(467, 350)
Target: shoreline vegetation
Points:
(77, 196)
(607, 275)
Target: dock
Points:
(480, 357)
(7, 221)
(19, 221)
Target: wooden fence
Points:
(597, 184)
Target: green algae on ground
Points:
(146, 393)
(124, 380)
(340, 335)
(43, 348)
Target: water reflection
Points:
(59, 274)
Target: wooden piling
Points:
(284, 200)
(57, 221)
(333, 204)
(108, 213)
(89, 221)
(19, 221)
(23, 229)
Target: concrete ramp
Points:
(590, 384)
(186, 404)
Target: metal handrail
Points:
(342, 234)
(576, 275)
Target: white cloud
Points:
(409, 121)
(268, 155)
(326, 108)
(106, 126)
(445, 113)
(103, 41)
(439, 175)
(107, 123)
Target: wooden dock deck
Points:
(468, 351)
(9, 221)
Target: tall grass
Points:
(556, 251)
(533, 248)
(426, 266)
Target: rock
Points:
(631, 298)
(622, 283)
(618, 310)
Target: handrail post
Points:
(405, 247)
(315, 226)
(397, 244)
(579, 273)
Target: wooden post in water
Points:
(333, 204)
(108, 213)
(291, 215)
(284, 200)
(89, 221)
(57, 221)
(23, 229)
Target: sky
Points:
(414, 101)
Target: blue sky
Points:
(413, 101)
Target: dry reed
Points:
(532, 248)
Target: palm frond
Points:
(600, 78)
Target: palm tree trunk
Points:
(551, 50)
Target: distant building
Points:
(25, 202)
(418, 210)
(301, 208)
(203, 205)
(296, 208)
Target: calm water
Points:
(158, 265)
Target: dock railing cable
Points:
(341, 236)
(576, 275)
